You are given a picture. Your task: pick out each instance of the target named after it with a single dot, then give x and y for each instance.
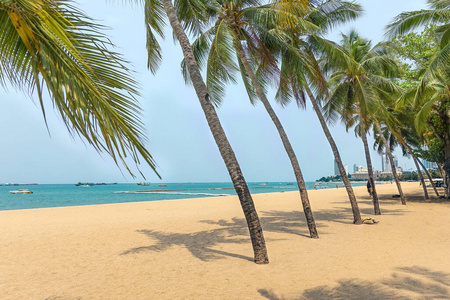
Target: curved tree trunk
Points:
(403, 142)
(376, 205)
(254, 226)
(430, 178)
(287, 145)
(391, 160)
(337, 157)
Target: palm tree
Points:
(391, 159)
(53, 45)
(299, 64)
(154, 12)
(387, 148)
(238, 29)
(433, 94)
(357, 74)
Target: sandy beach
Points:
(200, 249)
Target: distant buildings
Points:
(361, 173)
(429, 164)
(386, 164)
(336, 169)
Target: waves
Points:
(171, 193)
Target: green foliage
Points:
(331, 178)
(52, 44)
(415, 51)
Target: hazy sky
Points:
(179, 138)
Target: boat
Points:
(21, 192)
(162, 185)
(143, 183)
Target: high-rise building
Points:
(385, 164)
(430, 165)
(336, 169)
(355, 167)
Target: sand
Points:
(200, 249)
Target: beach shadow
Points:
(200, 244)
(422, 282)
(274, 221)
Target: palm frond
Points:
(90, 86)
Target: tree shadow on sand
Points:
(235, 231)
(423, 283)
(200, 244)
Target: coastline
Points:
(200, 249)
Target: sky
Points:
(179, 138)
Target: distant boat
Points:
(162, 185)
(143, 183)
(21, 192)
(290, 183)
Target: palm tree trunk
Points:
(429, 178)
(337, 157)
(254, 226)
(287, 145)
(391, 160)
(447, 156)
(405, 144)
(445, 178)
(362, 128)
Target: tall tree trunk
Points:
(254, 226)
(445, 178)
(447, 156)
(391, 159)
(376, 205)
(405, 144)
(429, 178)
(337, 157)
(287, 145)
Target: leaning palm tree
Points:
(238, 31)
(357, 73)
(189, 15)
(387, 147)
(298, 51)
(432, 93)
(52, 45)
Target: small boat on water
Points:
(162, 185)
(143, 183)
(21, 192)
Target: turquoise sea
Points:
(57, 195)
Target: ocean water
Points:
(58, 195)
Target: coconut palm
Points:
(384, 112)
(387, 147)
(238, 31)
(433, 93)
(189, 15)
(52, 45)
(298, 49)
(357, 74)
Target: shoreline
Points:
(200, 249)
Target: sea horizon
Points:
(62, 195)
